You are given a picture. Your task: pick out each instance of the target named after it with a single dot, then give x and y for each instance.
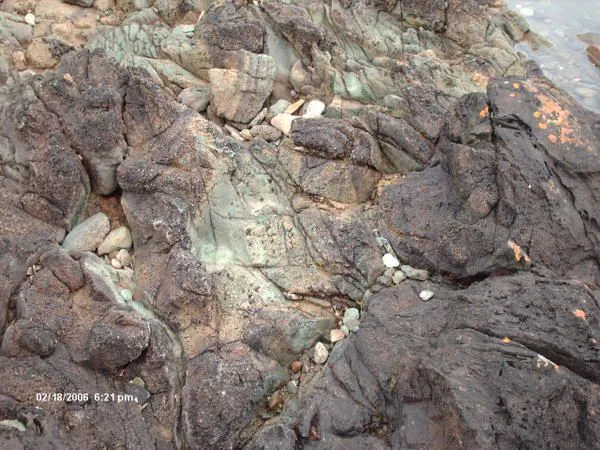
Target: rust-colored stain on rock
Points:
(553, 114)
(519, 253)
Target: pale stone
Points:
(245, 133)
(115, 240)
(321, 354)
(390, 260)
(415, 274)
(398, 277)
(351, 314)
(336, 335)
(314, 109)
(291, 109)
(426, 295)
(283, 122)
(13, 424)
(124, 257)
(88, 234)
(30, 19)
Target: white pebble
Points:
(115, 263)
(426, 295)
(390, 260)
(314, 109)
(321, 353)
(351, 314)
(124, 257)
(527, 12)
(30, 19)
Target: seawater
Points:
(565, 62)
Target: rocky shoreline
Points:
(259, 225)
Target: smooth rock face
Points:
(119, 238)
(88, 235)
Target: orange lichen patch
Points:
(519, 253)
(484, 112)
(516, 85)
(537, 114)
(506, 340)
(68, 77)
(579, 313)
(566, 135)
(551, 113)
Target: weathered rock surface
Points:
(264, 303)
(470, 387)
(517, 166)
(238, 93)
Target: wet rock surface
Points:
(309, 225)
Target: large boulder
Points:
(515, 185)
(239, 91)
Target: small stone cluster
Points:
(95, 235)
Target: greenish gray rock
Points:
(16, 424)
(398, 277)
(351, 314)
(87, 235)
(415, 274)
(278, 107)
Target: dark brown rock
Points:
(65, 268)
(520, 181)
(230, 399)
(593, 52)
(385, 386)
